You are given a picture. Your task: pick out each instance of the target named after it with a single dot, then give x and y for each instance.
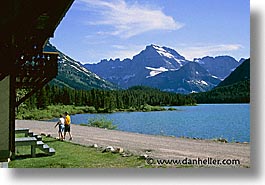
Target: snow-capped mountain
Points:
(190, 78)
(166, 69)
(220, 66)
(160, 57)
(150, 62)
(74, 75)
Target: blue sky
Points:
(102, 29)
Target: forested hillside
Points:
(235, 93)
(234, 89)
(72, 74)
(241, 73)
(133, 98)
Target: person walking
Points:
(67, 122)
(61, 127)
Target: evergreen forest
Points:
(106, 100)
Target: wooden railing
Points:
(33, 70)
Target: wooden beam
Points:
(34, 90)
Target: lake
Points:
(207, 121)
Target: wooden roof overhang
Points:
(27, 24)
(25, 27)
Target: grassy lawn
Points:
(69, 155)
(53, 111)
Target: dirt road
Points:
(159, 147)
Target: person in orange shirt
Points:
(67, 122)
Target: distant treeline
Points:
(132, 98)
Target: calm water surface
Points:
(207, 121)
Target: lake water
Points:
(207, 121)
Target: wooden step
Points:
(30, 134)
(22, 131)
(51, 151)
(45, 148)
(35, 141)
(39, 138)
(25, 141)
(40, 143)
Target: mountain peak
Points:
(153, 46)
(155, 56)
(164, 52)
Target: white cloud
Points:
(210, 50)
(128, 20)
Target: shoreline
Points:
(49, 112)
(217, 140)
(156, 146)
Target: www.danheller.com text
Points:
(197, 161)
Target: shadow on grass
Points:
(27, 156)
(52, 140)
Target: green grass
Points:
(53, 111)
(69, 155)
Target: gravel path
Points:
(159, 147)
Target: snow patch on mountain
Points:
(155, 71)
(203, 82)
(199, 82)
(163, 52)
(74, 75)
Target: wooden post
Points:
(12, 113)
(5, 119)
(33, 151)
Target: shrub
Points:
(157, 108)
(90, 109)
(148, 108)
(101, 122)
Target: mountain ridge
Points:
(219, 66)
(241, 73)
(78, 77)
(154, 61)
(190, 78)
(234, 89)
